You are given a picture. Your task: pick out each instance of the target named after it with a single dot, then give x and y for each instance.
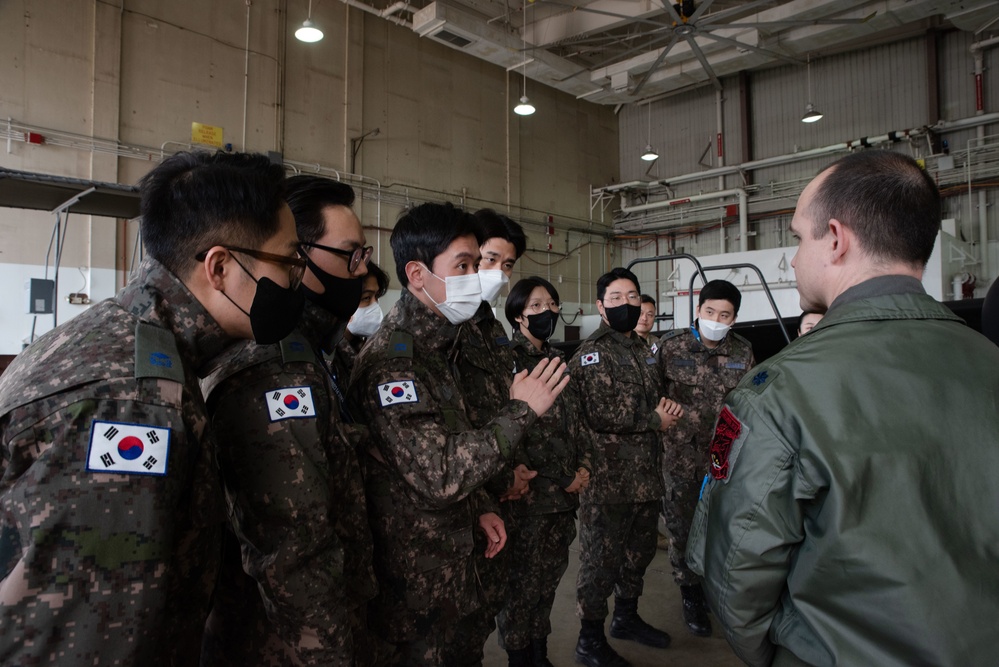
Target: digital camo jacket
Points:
(296, 505)
(110, 507)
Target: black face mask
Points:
(542, 325)
(623, 318)
(342, 295)
(275, 310)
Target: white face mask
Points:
(462, 297)
(365, 321)
(492, 281)
(713, 331)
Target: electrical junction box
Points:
(39, 294)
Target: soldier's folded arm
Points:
(411, 434)
(282, 513)
(744, 535)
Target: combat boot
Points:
(539, 653)
(593, 650)
(627, 624)
(695, 612)
(520, 657)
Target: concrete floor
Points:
(659, 606)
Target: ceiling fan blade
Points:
(735, 11)
(792, 23)
(743, 45)
(668, 5)
(645, 46)
(704, 61)
(655, 65)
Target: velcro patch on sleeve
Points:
(589, 359)
(290, 403)
(721, 457)
(401, 391)
(131, 449)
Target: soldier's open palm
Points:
(541, 386)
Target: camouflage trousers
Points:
(616, 544)
(678, 508)
(466, 650)
(539, 557)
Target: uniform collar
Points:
(879, 286)
(483, 314)
(520, 340)
(412, 315)
(320, 327)
(159, 297)
(605, 330)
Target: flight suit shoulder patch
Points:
(400, 345)
(156, 353)
(295, 348)
(726, 443)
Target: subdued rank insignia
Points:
(721, 454)
(131, 449)
(290, 403)
(591, 358)
(393, 393)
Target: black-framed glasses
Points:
(354, 257)
(296, 265)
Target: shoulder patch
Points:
(294, 347)
(725, 444)
(130, 449)
(761, 379)
(589, 359)
(400, 345)
(156, 353)
(401, 391)
(290, 403)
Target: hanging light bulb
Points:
(649, 155)
(309, 32)
(525, 108)
(811, 113)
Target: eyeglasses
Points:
(296, 265)
(616, 298)
(536, 307)
(354, 257)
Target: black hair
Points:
(723, 290)
(886, 198)
(516, 301)
(307, 196)
(804, 313)
(382, 278)
(648, 299)
(495, 225)
(425, 231)
(193, 201)
(612, 275)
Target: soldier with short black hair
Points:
(111, 513)
(701, 365)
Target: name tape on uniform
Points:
(290, 403)
(393, 393)
(591, 358)
(132, 449)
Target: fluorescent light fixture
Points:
(649, 155)
(525, 108)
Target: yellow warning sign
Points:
(208, 135)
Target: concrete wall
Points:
(139, 72)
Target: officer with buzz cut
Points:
(111, 513)
(427, 460)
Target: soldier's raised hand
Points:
(541, 386)
(669, 412)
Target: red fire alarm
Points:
(34, 138)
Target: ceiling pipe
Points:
(983, 220)
(743, 209)
(389, 13)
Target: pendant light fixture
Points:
(309, 32)
(649, 155)
(525, 108)
(811, 113)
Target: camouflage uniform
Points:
(651, 341)
(619, 387)
(546, 518)
(343, 356)
(297, 507)
(484, 365)
(111, 513)
(697, 378)
(425, 466)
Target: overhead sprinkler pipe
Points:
(735, 192)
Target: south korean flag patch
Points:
(589, 359)
(393, 393)
(130, 449)
(290, 403)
